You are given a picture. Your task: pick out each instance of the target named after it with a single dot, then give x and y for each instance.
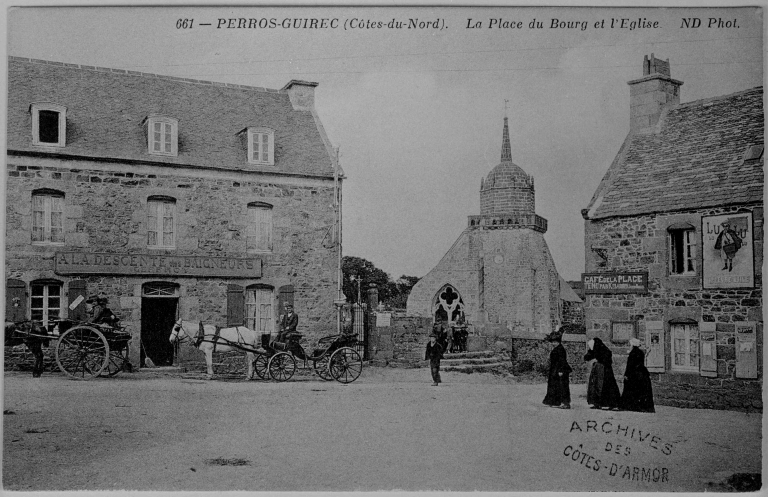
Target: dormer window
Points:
(49, 125)
(261, 146)
(163, 135)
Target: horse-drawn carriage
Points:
(82, 350)
(334, 358)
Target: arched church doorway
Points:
(448, 306)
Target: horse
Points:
(31, 334)
(207, 339)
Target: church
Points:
(499, 275)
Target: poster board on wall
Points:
(727, 251)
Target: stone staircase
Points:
(485, 361)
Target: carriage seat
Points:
(293, 337)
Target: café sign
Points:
(156, 264)
(615, 282)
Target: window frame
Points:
(151, 121)
(35, 109)
(48, 196)
(687, 238)
(687, 368)
(251, 302)
(262, 131)
(254, 231)
(45, 317)
(159, 217)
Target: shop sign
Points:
(156, 264)
(615, 282)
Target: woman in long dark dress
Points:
(602, 389)
(558, 388)
(638, 393)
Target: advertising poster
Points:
(727, 251)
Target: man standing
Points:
(433, 354)
(729, 243)
(288, 323)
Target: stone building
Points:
(169, 196)
(674, 243)
(499, 274)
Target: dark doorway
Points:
(157, 318)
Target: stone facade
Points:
(667, 179)
(500, 268)
(641, 243)
(106, 192)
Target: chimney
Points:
(651, 94)
(301, 93)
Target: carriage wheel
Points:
(281, 366)
(321, 368)
(345, 365)
(117, 360)
(261, 365)
(82, 352)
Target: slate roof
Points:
(106, 109)
(567, 293)
(694, 158)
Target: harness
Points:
(200, 337)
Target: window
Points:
(47, 216)
(685, 347)
(49, 125)
(258, 309)
(682, 251)
(161, 222)
(261, 146)
(46, 302)
(160, 289)
(163, 135)
(259, 231)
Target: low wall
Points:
(531, 355)
(698, 392)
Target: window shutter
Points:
(746, 349)
(285, 297)
(654, 343)
(708, 349)
(76, 289)
(235, 305)
(15, 300)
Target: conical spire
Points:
(506, 148)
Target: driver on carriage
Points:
(288, 323)
(98, 312)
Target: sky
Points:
(417, 114)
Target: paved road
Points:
(390, 430)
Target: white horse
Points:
(210, 339)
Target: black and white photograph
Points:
(401, 249)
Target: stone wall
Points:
(507, 273)
(106, 211)
(573, 313)
(640, 243)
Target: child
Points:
(434, 353)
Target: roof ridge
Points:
(703, 101)
(84, 67)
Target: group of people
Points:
(602, 389)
